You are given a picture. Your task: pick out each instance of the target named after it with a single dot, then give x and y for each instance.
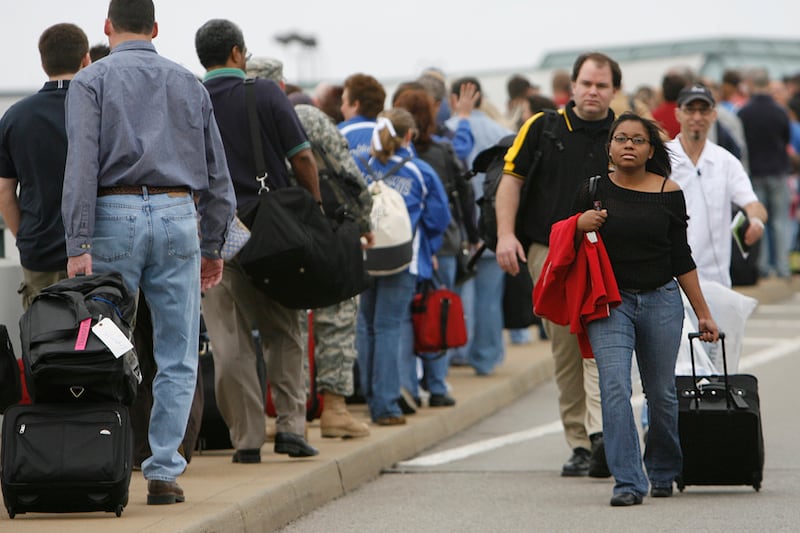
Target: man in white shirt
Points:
(712, 180)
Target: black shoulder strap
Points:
(593, 186)
(551, 118)
(255, 130)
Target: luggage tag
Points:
(114, 339)
(591, 235)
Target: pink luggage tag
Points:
(83, 334)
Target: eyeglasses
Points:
(622, 139)
(248, 56)
(705, 110)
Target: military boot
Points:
(336, 420)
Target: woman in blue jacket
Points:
(384, 323)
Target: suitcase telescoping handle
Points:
(728, 392)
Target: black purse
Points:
(296, 255)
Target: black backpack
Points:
(491, 162)
(64, 359)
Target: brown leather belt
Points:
(141, 189)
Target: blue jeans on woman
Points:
(650, 323)
(384, 334)
(152, 241)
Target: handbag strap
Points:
(255, 134)
(444, 314)
(391, 172)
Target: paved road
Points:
(503, 473)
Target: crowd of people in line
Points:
(124, 143)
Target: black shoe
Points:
(355, 399)
(441, 400)
(248, 455)
(625, 499)
(597, 462)
(407, 403)
(578, 464)
(661, 492)
(293, 445)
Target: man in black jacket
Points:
(575, 152)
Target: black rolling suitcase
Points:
(720, 428)
(66, 458)
(214, 433)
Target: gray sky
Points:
(396, 40)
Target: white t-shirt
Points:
(718, 181)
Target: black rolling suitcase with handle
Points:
(719, 422)
(66, 458)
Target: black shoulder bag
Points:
(296, 255)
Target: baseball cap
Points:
(696, 92)
(266, 68)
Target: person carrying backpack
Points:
(384, 322)
(552, 167)
(461, 232)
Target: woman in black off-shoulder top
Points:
(641, 217)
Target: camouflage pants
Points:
(335, 350)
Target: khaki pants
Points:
(231, 310)
(577, 378)
(34, 282)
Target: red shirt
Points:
(665, 116)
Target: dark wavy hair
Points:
(660, 163)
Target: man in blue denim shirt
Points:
(142, 140)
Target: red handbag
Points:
(438, 318)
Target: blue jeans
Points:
(384, 334)
(483, 304)
(152, 241)
(774, 193)
(650, 323)
(520, 336)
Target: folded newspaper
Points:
(739, 226)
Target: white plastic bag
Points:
(730, 310)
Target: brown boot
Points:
(336, 420)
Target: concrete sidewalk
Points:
(226, 497)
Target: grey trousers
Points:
(231, 310)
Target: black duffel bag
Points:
(64, 358)
(296, 255)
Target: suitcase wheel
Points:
(118, 511)
(679, 482)
(11, 513)
(757, 486)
